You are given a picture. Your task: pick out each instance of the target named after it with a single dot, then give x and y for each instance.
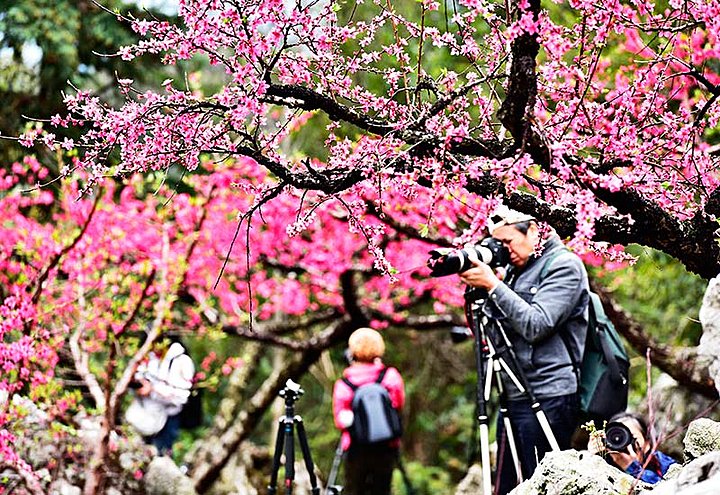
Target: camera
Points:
(460, 334)
(445, 261)
(618, 436)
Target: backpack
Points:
(375, 419)
(191, 415)
(603, 372)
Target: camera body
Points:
(460, 334)
(618, 436)
(446, 261)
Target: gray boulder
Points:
(709, 347)
(164, 477)
(472, 483)
(699, 477)
(703, 436)
(578, 473)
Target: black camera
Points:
(460, 334)
(446, 261)
(617, 436)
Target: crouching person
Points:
(627, 444)
(367, 402)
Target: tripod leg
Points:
(279, 440)
(335, 466)
(545, 425)
(513, 446)
(521, 383)
(289, 456)
(497, 369)
(302, 438)
(484, 381)
(485, 456)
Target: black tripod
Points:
(495, 357)
(288, 422)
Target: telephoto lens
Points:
(617, 436)
(445, 261)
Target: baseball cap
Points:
(503, 216)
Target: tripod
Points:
(287, 424)
(495, 357)
(332, 488)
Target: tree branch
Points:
(681, 364)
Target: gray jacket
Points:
(544, 312)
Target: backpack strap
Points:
(610, 358)
(554, 254)
(543, 271)
(354, 387)
(381, 375)
(350, 384)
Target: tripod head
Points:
(475, 295)
(291, 392)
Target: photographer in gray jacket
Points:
(543, 310)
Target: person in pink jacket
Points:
(368, 468)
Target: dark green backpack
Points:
(604, 367)
(603, 371)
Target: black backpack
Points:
(191, 415)
(603, 372)
(375, 419)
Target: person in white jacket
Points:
(166, 379)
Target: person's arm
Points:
(342, 405)
(396, 388)
(557, 296)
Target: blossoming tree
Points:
(357, 137)
(90, 284)
(600, 119)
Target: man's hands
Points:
(480, 275)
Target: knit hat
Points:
(366, 344)
(505, 216)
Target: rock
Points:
(709, 347)
(577, 473)
(164, 477)
(62, 487)
(703, 436)
(699, 470)
(472, 483)
(699, 477)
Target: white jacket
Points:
(171, 377)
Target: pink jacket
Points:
(360, 374)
